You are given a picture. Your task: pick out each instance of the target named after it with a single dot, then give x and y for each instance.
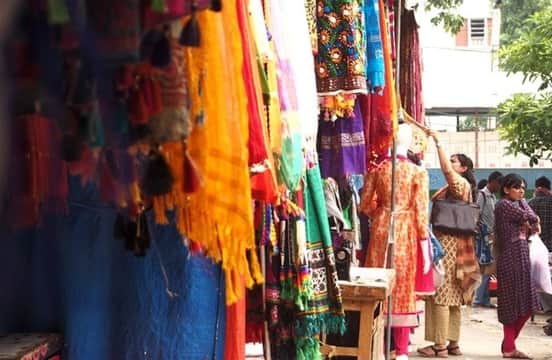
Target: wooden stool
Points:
(30, 346)
(365, 294)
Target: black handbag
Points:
(456, 217)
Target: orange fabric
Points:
(411, 222)
(385, 103)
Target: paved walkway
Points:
(481, 336)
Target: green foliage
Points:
(451, 22)
(531, 54)
(469, 123)
(514, 15)
(525, 122)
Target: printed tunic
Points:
(411, 221)
(516, 293)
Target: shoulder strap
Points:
(484, 199)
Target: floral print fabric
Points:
(341, 59)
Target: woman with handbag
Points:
(516, 294)
(442, 311)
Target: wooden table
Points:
(365, 293)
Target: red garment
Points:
(256, 142)
(39, 177)
(401, 335)
(511, 333)
(424, 282)
(234, 344)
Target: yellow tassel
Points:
(169, 201)
(159, 210)
(231, 296)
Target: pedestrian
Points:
(517, 296)
(481, 184)
(442, 311)
(542, 206)
(541, 203)
(484, 240)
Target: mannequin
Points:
(410, 232)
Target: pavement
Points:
(481, 336)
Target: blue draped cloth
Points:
(375, 67)
(71, 276)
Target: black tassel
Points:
(216, 5)
(161, 52)
(190, 35)
(72, 148)
(157, 179)
(119, 229)
(139, 133)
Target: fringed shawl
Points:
(324, 308)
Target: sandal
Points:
(432, 351)
(516, 354)
(454, 350)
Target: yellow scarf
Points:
(218, 217)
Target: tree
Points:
(451, 22)
(514, 14)
(525, 120)
(526, 124)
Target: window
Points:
(477, 31)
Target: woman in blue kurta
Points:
(517, 297)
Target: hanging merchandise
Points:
(411, 68)
(341, 146)
(341, 58)
(380, 108)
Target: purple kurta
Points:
(516, 293)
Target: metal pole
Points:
(391, 233)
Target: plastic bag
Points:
(540, 270)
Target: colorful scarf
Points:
(324, 308)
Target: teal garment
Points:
(324, 307)
(291, 161)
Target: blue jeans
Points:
(482, 296)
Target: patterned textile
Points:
(117, 28)
(542, 205)
(341, 58)
(173, 122)
(324, 308)
(411, 225)
(375, 67)
(516, 293)
(411, 67)
(341, 146)
(310, 8)
(461, 268)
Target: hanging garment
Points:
(172, 123)
(411, 223)
(117, 29)
(221, 210)
(341, 58)
(375, 67)
(341, 146)
(324, 309)
(38, 183)
(411, 68)
(380, 108)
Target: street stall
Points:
(181, 174)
